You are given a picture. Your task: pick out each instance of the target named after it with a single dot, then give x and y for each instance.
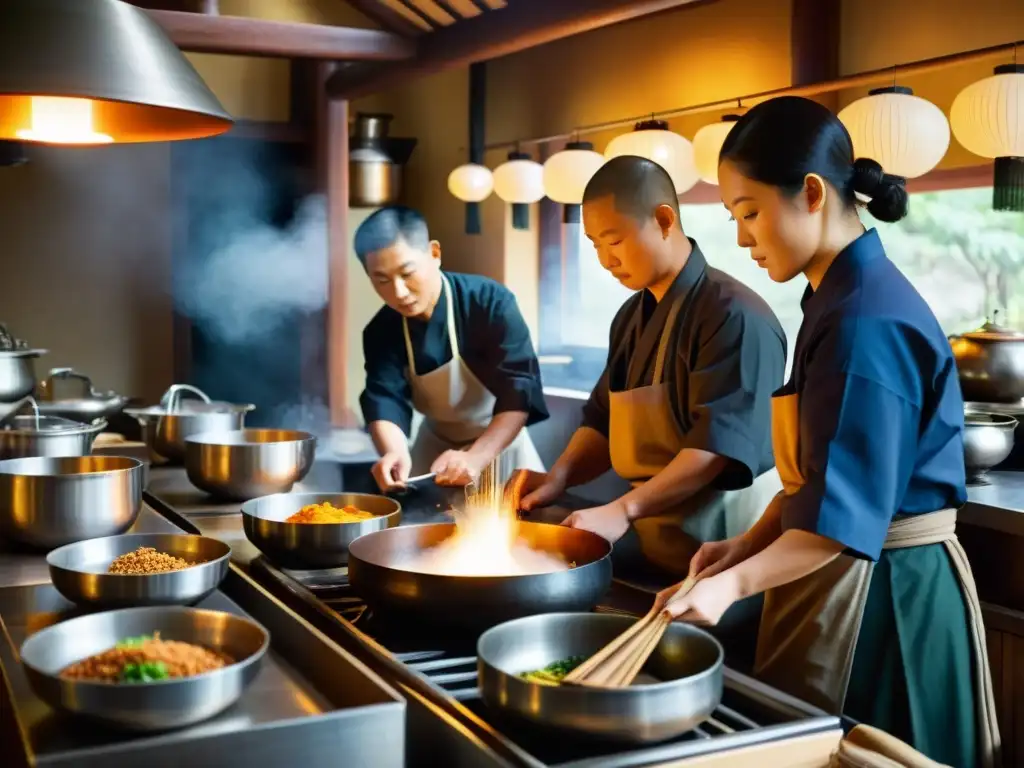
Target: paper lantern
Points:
(988, 119)
(652, 139)
(471, 183)
(707, 146)
(519, 181)
(567, 173)
(905, 134)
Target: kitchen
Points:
(120, 354)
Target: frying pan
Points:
(478, 602)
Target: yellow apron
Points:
(643, 438)
(809, 627)
(456, 407)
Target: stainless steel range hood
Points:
(84, 72)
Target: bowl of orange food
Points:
(314, 530)
(145, 669)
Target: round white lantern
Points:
(652, 139)
(567, 173)
(520, 180)
(707, 145)
(471, 183)
(988, 119)
(905, 134)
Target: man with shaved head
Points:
(683, 408)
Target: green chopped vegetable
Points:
(553, 673)
(146, 672)
(133, 642)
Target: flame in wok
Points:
(486, 541)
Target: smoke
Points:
(255, 281)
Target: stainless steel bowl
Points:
(79, 571)
(988, 439)
(50, 502)
(145, 706)
(24, 436)
(688, 661)
(312, 545)
(248, 463)
(17, 373)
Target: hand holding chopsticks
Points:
(618, 663)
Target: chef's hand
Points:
(392, 470)
(457, 468)
(705, 603)
(715, 556)
(610, 521)
(540, 489)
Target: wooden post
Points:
(814, 44)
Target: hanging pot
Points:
(990, 362)
(375, 175)
(68, 393)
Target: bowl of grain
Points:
(139, 569)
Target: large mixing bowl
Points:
(17, 373)
(248, 463)
(79, 571)
(50, 502)
(688, 664)
(988, 440)
(24, 436)
(307, 546)
(145, 706)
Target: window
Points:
(966, 260)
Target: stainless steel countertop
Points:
(23, 567)
(999, 505)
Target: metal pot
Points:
(248, 463)
(376, 571)
(988, 440)
(374, 176)
(68, 393)
(166, 426)
(25, 436)
(990, 361)
(17, 373)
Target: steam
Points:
(248, 287)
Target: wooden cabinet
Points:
(1005, 638)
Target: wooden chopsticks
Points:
(618, 663)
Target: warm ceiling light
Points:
(567, 173)
(96, 72)
(519, 181)
(988, 119)
(905, 134)
(707, 146)
(652, 139)
(471, 183)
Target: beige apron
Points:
(456, 406)
(643, 438)
(809, 627)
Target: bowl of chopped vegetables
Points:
(521, 663)
(137, 569)
(145, 669)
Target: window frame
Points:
(559, 262)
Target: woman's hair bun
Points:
(887, 193)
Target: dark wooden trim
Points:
(413, 7)
(967, 177)
(388, 18)
(523, 24)
(259, 37)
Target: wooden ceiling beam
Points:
(258, 37)
(388, 18)
(521, 25)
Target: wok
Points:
(478, 602)
(684, 687)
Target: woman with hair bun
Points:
(870, 608)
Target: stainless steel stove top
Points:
(445, 668)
